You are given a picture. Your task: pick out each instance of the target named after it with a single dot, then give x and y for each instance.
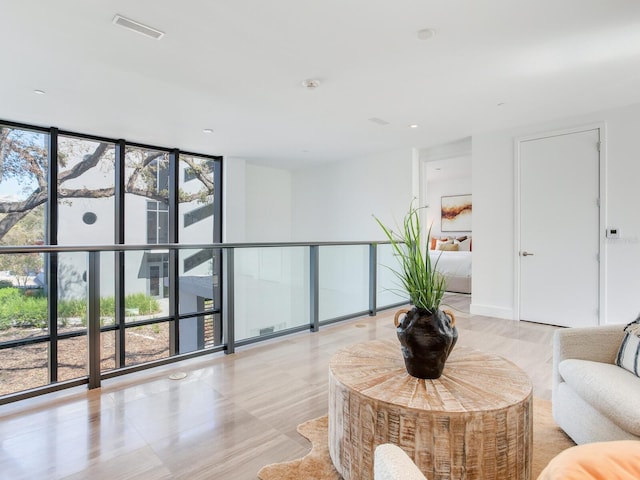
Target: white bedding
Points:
(456, 264)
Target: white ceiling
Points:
(236, 66)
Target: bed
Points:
(456, 268)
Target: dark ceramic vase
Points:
(427, 340)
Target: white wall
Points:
(234, 200)
(442, 188)
(336, 201)
(257, 203)
(445, 170)
(493, 225)
(329, 202)
(332, 202)
(493, 213)
(268, 204)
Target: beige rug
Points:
(548, 441)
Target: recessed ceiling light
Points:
(138, 27)
(39, 92)
(310, 83)
(426, 33)
(207, 130)
(414, 125)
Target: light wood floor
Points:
(230, 416)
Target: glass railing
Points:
(390, 291)
(83, 314)
(271, 290)
(343, 281)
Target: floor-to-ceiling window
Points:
(85, 215)
(24, 304)
(65, 189)
(199, 223)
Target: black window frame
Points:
(51, 261)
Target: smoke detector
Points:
(311, 84)
(426, 33)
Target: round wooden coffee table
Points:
(474, 422)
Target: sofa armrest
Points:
(598, 344)
(392, 463)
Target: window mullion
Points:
(52, 258)
(174, 329)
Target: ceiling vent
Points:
(138, 27)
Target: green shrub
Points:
(76, 307)
(20, 310)
(107, 307)
(146, 305)
(32, 313)
(7, 293)
(6, 284)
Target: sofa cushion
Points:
(629, 354)
(610, 389)
(596, 461)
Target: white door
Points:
(559, 229)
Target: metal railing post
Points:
(373, 279)
(93, 318)
(228, 320)
(314, 287)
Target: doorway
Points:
(558, 259)
(158, 279)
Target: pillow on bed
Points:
(435, 241)
(448, 247)
(464, 243)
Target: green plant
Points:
(107, 307)
(74, 307)
(29, 308)
(146, 305)
(417, 274)
(18, 310)
(10, 293)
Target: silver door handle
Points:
(526, 254)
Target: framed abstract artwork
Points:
(456, 213)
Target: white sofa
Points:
(593, 399)
(390, 462)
